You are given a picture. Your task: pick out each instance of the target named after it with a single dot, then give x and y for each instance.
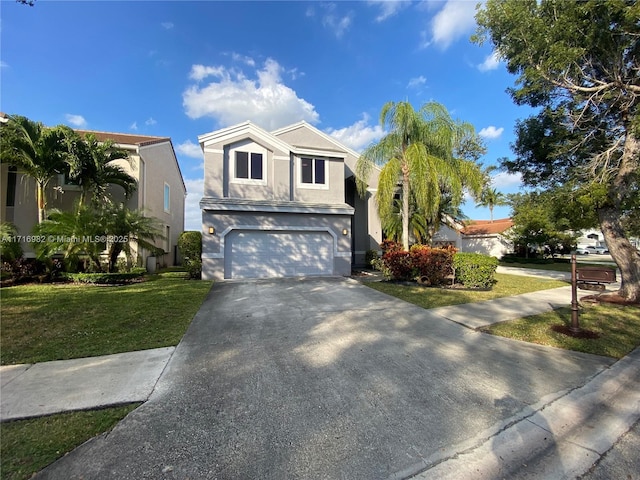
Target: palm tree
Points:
(126, 226)
(419, 153)
(490, 197)
(38, 151)
(93, 168)
(75, 234)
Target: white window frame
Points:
(166, 198)
(313, 186)
(249, 149)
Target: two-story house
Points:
(282, 204)
(152, 162)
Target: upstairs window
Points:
(313, 171)
(167, 198)
(248, 165)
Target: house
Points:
(283, 204)
(152, 162)
(478, 236)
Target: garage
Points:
(269, 254)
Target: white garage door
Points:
(268, 254)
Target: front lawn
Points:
(618, 329)
(27, 446)
(506, 286)
(61, 321)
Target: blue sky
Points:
(182, 69)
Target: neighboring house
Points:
(282, 204)
(152, 162)
(591, 238)
(478, 236)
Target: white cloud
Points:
(359, 135)
(236, 57)
(234, 98)
(200, 72)
(77, 121)
(388, 8)
(330, 18)
(167, 25)
(454, 20)
(338, 24)
(417, 82)
(491, 132)
(490, 63)
(150, 121)
(133, 126)
(189, 149)
(192, 212)
(506, 181)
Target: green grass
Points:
(61, 321)
(506, 285)
(27, 446)
(618, 327)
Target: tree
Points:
(423, 154)
(579, 63)
(491, 198)
(75, 234)
(124, 227)
(38, 151)
(92, 168)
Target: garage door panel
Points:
(265, 254)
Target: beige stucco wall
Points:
(492, 245)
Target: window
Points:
(313, 171)
(248, 165)
(12, 176)
(167, 198)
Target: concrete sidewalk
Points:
(80, 384)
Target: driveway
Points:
(323, 378)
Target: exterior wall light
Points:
(345, 231)
(212, 230)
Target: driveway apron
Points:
(323, 379)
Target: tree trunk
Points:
(623, 253)
(40, 186)
(405, 208)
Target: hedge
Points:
(105, 278)
(474, 270)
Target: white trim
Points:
(246, 205)
(282, 157)
(281, 228)
(314, 152)
(249, 149)
(229, 134)
(213, 150)
(313, 185)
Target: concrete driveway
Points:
(323, 378)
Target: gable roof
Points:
(124, 138)
(487, 227)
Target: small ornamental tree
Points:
(190, 245)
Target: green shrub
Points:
(105, 278)
(370, 258)
(190, 245)
(10, 248)
(474, 270)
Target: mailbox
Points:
(596, 275)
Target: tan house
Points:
(478, 236)
(152, 162)
(282, 204)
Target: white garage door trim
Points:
(228, 264)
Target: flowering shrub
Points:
(432, 265)
(390, 246)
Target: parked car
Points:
(582, 251)
(598, 250)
